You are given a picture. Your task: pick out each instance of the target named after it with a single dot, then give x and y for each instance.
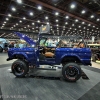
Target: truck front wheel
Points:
(19, 68)
(71, 72)
(1, 49)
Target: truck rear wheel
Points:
(71, 72)
(1, 49)
(19, 68)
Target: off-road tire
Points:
(20, 68)
(71, 72)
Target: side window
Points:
(42, 42)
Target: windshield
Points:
(55, 41)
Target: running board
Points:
(45, 68)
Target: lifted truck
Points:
(51, 50)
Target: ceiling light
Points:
(92, 16)
(79, 26)
(67, 17)
(13, 9)
(38, 21)
(56, 13)
(7, 18)
(66, 22)
(16, 23)
(31, 13)
(57, 20)
(72, 6)
(83, 11)
(20, 21)
(46, 17)
(24, 18)
(47, 22)
(76, 20)
(32, 23)
(39, 7)
(98, 19)
(9, 15)
(5, 22)
(28, 25)
(89, 24)
(19, 1)
(83, 22)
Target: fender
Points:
(71, 55)
(30, 59)
(21, 53)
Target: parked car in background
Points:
(95, 48)
(3, 44)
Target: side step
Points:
(46, 68)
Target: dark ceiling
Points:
(66, 17)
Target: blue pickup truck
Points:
(70, 52)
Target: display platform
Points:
(38, 88)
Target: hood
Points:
(26, 38)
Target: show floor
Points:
(12, 88)
(96, 65)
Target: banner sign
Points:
(45, 29)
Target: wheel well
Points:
(19, 57)
(70, 59)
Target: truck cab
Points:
(61, 49)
